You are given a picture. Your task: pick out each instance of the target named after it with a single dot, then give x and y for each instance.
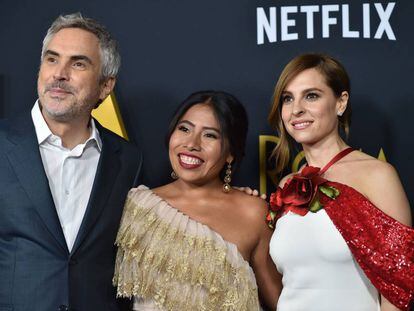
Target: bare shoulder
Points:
(379, 182)
(380, 171)
(251, 207)
(358, 169)
(161, 188)
(379, 178)
(368, 170)
(164, 191)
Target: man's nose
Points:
(61, 72)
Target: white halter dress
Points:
(319, 271)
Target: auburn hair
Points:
(336, 78)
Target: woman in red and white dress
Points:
(342, 237)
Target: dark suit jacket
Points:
(37, 272)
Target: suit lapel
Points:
(108, 168)
(27, 163)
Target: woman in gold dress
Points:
(196, 244)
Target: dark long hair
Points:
(231, 116)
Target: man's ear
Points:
(106, 87)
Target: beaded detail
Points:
(178, 263)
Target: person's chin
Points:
(304, 138)
(193, 179)
(57, 114)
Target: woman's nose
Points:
(298, 108)
(193, 142)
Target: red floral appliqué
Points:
(299, 195)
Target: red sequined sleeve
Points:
(383, 247)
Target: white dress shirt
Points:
(71, 173)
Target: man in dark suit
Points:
(64, 179)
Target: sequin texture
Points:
(383, 247)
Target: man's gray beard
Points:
(61, 116)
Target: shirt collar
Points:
(95, 134)
(43, 132)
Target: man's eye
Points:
(79, 65)
(51, 60)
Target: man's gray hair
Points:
(110, 58)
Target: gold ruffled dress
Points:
(168, 261)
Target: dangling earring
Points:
(174, 175)
(227, 179)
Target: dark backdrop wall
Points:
(172, 48)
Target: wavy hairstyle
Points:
(336, 78)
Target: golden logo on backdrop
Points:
(269, 173)
(109, 116)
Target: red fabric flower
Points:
(299, 191)
(276, 201)
(297, 195)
